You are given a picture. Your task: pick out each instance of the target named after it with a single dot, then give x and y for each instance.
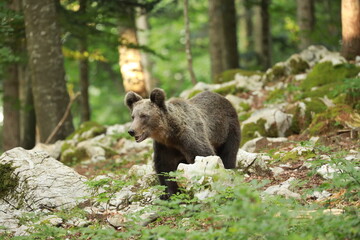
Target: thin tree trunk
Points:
(223, 36)
(231, 55)
(47, 68)
(215, 37)
(350, 19)
(142, 32)
(266, 36)
(84, 72)
(188, 42)
(27, 113)
(11, 101)
(306, 21)
(11, 131)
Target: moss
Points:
(325, 73)
(245, 106)
(229, 75)
(298, 66)
(231, 89)
(244, 116)
(294, 156)
(73, 155)
(8, 180)
(296, 124)
(87, 130)
(249, 130)
(330, 120)
(276, 96)
(277, 72)
(313, 106)
(325, 90)
(194, 93)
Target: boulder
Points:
(267, 122)
(204, 173)
(36, 182)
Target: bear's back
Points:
(218, 113)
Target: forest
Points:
(70, 170)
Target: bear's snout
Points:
(131, 132)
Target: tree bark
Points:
(223, 36)
(47, 68)
(142, 33)
(350, 19)
(262, 33)
(84, 71)
(27, 112)
(11, 131)
(306, 21)
(11, 101)
(266, 35)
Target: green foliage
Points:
(332, 118)
(104, 189)
(325, 73)
(8, 180)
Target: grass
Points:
(235, 212)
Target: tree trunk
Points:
(223, 36)
(27, 113)
(350, 19)
(130, 58)
(84, 72)
(142, 32)
(306, 21)
(11, 101)
(47, 68)
(266, 35)
(11, 131)
(262, 34)
(231, 54)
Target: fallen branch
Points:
(61, 122)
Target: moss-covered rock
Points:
(87, 130)
(194, 93)
(8, 180)
(298, 65)
(252, 130)
(276, 95)
(277, 72)
(71, 155)
(330, 120)
(229, 75)
(304, 113)
(230, 89)
(325, 73)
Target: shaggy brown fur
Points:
(205, 125)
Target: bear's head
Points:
(147, 114)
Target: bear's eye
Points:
(132, 117)
(144, 116)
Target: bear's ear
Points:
(131, 98)
(158, 97)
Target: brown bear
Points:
(204, 125)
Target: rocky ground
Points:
(300, 142)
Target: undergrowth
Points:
(236, 212)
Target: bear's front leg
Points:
(166, 160)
